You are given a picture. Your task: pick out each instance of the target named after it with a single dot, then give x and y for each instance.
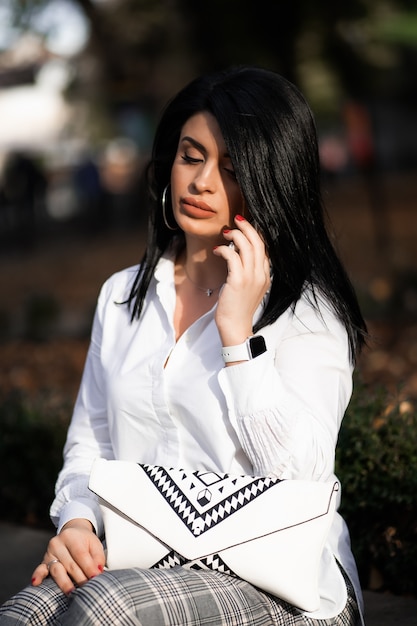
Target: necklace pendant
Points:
(209, 292)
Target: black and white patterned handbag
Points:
(267, 531)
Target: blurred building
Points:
(33, 111)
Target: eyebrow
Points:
(194, 142)
(199, 145)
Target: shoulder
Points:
(311, 316)
(117, 287)
(309, 335)
(314, 313)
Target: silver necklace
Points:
(207, 290)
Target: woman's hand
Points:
(248, 280)
(72, 557)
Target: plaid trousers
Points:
(174, 597)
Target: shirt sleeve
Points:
(88, 437)
(287, 405)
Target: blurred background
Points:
(82, 85)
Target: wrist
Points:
(80, 523)
(251, 348)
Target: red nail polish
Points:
(33, 580)
(226, 230)
(215, 247)
(239, 218)
(100, 568)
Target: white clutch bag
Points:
(267, 531)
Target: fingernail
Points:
(215, 248)
(70, 591)
(239, 218)
(33, 580)
(226, 230)
(100, 568)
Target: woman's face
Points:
(205, 193)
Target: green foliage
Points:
(377, 464)
(398, 28)
(31, 441)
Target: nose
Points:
(206, 178)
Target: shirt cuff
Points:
(82, 509)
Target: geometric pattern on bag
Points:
(213, 562)
(203, 499)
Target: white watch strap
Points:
(236, 353)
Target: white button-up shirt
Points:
(146, 398)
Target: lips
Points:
(191, 206)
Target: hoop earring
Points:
(163, 204)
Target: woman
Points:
(237, 248)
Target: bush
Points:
(376, 462)
(32, 436)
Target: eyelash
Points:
(192, 161)
(189, 159)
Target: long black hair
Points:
(270, 135)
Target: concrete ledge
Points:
(22, 549)
(385, 609)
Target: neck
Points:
(203, 269)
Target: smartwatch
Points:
(250, 349)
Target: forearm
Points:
(287, 405)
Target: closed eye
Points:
(188, 159)
(231, 172)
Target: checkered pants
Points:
(175, 597)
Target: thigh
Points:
(182, 597)
(176, 597)
(34, 606)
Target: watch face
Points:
(257, 345)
